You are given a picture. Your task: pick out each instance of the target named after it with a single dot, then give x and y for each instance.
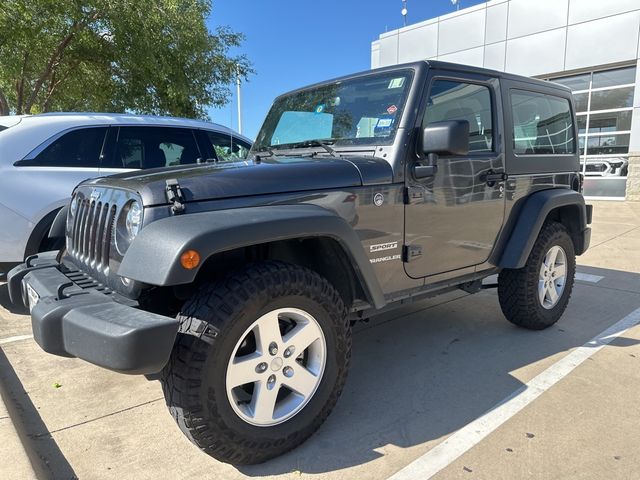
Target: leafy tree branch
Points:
(156, 57)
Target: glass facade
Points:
(604, 107)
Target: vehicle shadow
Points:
(43, 452)
(421, 373)
(5, 302)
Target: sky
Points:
(295, 43)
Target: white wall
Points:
(527, 37)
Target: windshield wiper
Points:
(259, 154)
(317, 143)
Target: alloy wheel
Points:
(276, 367)
(552, 277)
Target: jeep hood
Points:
(240, 179)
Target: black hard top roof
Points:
(439, 65)
(494, 73)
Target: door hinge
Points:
(412, 193)
(411, 252)
(492, 177)
(174, 196)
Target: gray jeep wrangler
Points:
(240, 281)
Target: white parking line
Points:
(587, 277)
(17, 338)
(470, 435)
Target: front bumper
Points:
(76, 317)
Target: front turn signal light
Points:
(190, 259)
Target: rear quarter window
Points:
(76, 149)
(542, 124)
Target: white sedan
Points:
(43, 157)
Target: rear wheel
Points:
(536, 295)
(260, 362)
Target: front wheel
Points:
(260, 362)
(536, 295)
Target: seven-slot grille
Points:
(91, 233)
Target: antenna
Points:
(239, 99)
(404, 12)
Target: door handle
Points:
(492, 177)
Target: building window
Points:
(604, 107)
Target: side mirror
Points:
(450, 137)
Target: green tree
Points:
(152, 56)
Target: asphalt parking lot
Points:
(443, 389)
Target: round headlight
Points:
(128, 225)
(133, 221)
(73, 209)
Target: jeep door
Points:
(453, 217)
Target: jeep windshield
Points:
(364, 110)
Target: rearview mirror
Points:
(450, 137)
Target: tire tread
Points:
(206, 316)
(517, 288)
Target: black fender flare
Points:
(531, 217)
(41, 232)
(154, 255)
(59, 225)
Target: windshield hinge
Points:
(411, 194)
(411, 252)
(174, 196)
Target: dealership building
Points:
(591, 46)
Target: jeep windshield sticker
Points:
(392, 109)
(385, 259)
(383, 126)
(383, 246)
(396, 83)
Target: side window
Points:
(131, 151)
(79, 148)
(153, 147)
(227, 147)
(452, 100)
(542, 124)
